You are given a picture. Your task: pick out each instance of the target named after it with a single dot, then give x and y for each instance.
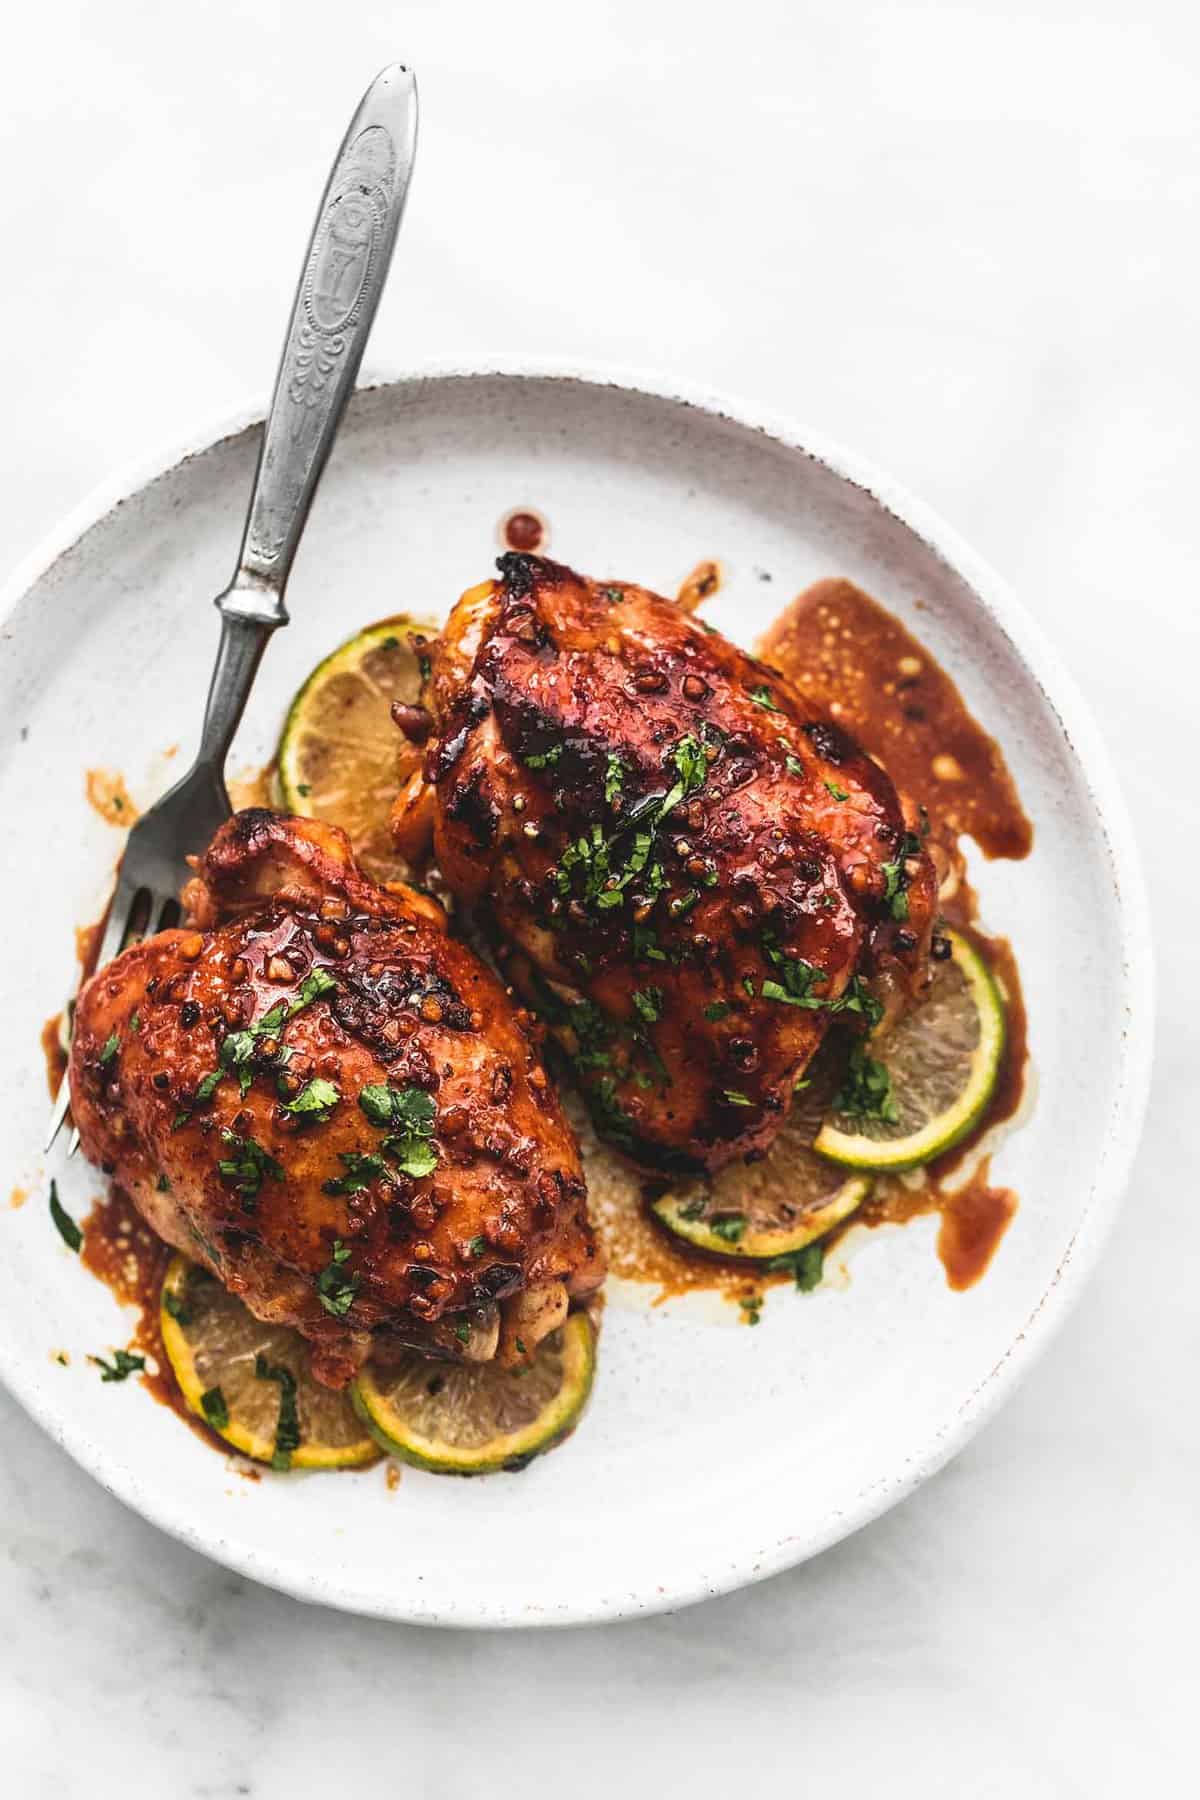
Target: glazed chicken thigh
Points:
(690, 874)
(323, 1097)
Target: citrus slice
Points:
(340, 752)
(775, 1207)
(474, 1418)
(253, 1382)
(941, 1061)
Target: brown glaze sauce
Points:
(108, 796)
(524, 529)
(861, 666)
(120, 1250)
(701, 585)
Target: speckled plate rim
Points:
(1134, 993)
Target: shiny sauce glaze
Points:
(120, 1250)
(859, 665)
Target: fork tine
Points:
(120, 912)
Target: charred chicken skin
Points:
(691, 873)
(323, 1097)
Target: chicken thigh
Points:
(690, 872)
(319, 1094)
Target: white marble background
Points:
(960, 236)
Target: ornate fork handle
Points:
(343, 277)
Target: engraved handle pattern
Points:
(343, 277)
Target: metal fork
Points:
(343, 276)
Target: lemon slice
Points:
(941, 1060)
(776, 1207)
(474, 1418)
(252, 1382)
(340, 752)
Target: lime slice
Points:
(473, 1418)
(340, 752)
(247, 1379)
(775, 1207)
(941, 1058)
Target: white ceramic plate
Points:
(711, 1455)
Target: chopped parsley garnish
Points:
(839, 793)
(648, 1003)
(866, 1090)
(735, 1097)
(597, 870)
(543, 759)
(425, 666)
(303, 787)
(287, 1428)
(645, 945)
(730, 1227)
(173, 1305)
(477, 1246)
(135, 1023)
(212, 1405)
(463, 1332)
(806, 1265)
(407, 1115)
(361, 1171)
(794, 765)
(796, 977)
(247, 1164)
(762, 696)
(163, 1185)
(315, 1101)
(614, 776)
(857, 999)
(613, 595)
(336, 1291)
(748, 985)
(68, 1230)
(716, 1009)
(112, 1044)
(610, 1116)
(681, 904)
(120, 1368)
(240, 1050)
(751, 1305)
(895, 877)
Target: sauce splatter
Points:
(524, 529)
(858, 664)
(700, 585)
(108, 796)
(120, 1250)
(18, 1197)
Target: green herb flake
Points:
(463, 1333)
(212, 1405)
(175, 1308)
(545, 759)
(287, 1427)
(839, 793)
(112, 1044)
(794, 765)
(614, 776)
(304, 789)
(336, 1291)
(716, 1009)
(866, 1090)
(752, 1305)
(361, 1171)
(247, 1165)
(476, 1246)
(315, 1101)
(806, 1266)
(648, 1003)
(122, 1366)
(762, 696)
(729, 1227)
(68, 1230)
(613, 595)
(735, 1097)
(135, 1023)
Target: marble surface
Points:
(962, 239)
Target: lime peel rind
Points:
(883, 1156)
